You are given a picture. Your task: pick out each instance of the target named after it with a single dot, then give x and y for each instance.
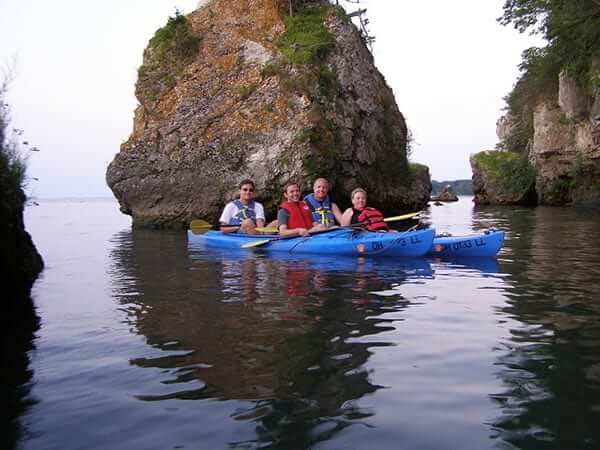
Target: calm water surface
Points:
(147, 342)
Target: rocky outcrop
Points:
(505, 126)
(446, 195)
(565, 155)
(20, 262)
(502, 178)
(222, 98)
(564, 152)
(571, 99)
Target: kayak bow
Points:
(484, 244)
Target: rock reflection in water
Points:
(269, 331)
(550, 364)
(16, 341)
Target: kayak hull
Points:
(341, 242)
(484, 244)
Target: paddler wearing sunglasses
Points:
(243, 211)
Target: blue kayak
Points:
(339, 241)
(484, 244)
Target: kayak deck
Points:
(340, 241)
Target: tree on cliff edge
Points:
(571, 27)
(572, 30)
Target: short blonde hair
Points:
(323, 180)
(356, 191)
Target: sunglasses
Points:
(248, 189)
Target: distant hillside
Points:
(459, 187)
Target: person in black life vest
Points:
(323, 209)
(244, 211)
(294, 216)
(369, 218)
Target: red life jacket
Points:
(371, 219)
(299, 215)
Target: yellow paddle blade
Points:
(199, 230)
(269, 230)
(402, 217)
(258, 243)
(199, 223)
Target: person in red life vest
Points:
(243, 212)
(294, 216)
(369, 218)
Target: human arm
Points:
(282, 218)
(228, 212)
(337, 213)
(347, 218)
(260, 215)
(317, 226)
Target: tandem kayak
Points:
(484, 244)
(338, 241)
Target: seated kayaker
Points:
(368, 218)
(323, 209)
(294, 216)
(244, 212)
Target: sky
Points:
(74, 66)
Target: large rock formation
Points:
(446, 195)
(564, 152)
(231, 92)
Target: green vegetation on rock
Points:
(306, 40)
(509, 171)
(19, 261)
(172, 48)
(13, 166)
(246, 90)
(572, 29)
(305, 45)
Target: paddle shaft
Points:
(260, 243)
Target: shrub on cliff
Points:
(172, 48)
(510, 172)
(12, 165)
(19, 261)
(306, 40)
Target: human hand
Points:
(302, 232)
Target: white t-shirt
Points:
(231, 210)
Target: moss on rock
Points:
(172, 48)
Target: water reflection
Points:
(278, 334)
(551, 361)
(16, 341)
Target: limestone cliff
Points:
(238, 89)
(564, 152)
